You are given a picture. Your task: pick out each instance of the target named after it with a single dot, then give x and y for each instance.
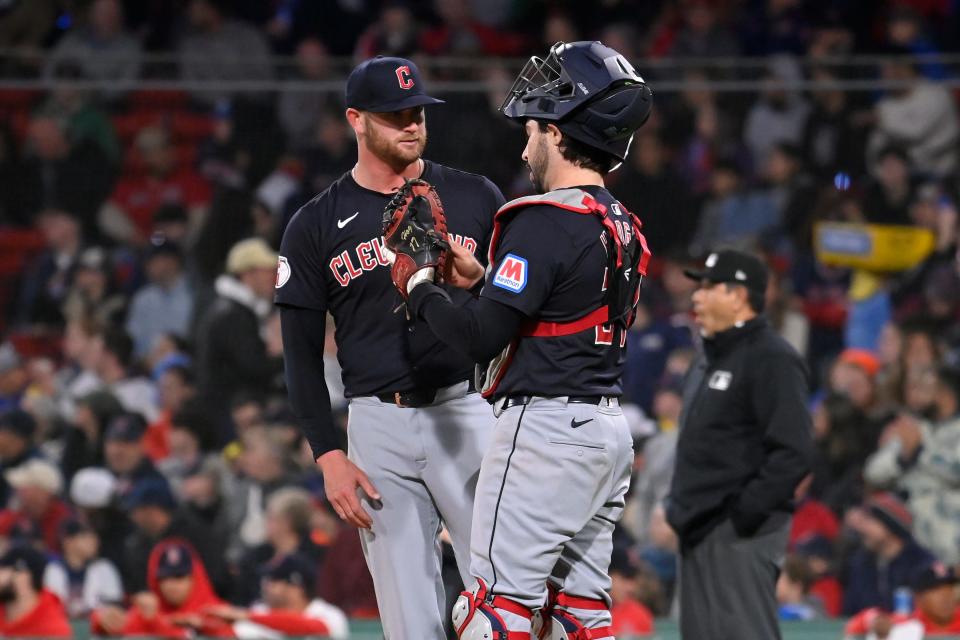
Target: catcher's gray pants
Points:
(424, 462)
(728, 583)
(551, 488)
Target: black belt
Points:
(517, 401)
(416, 398)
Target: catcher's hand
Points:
(463, 269)
(415, 231)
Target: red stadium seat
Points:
(18, 120)
(153, 98)
(191, 127)
(19, 98)
(17, 247)
(129, 124)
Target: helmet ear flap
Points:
(624, 110)
(609, 122)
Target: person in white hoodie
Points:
(80, 578)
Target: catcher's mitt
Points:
(415, 230)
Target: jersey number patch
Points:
(512, 274)
(605, 334)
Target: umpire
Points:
(745, 443)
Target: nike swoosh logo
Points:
(574, 424)
(342, 223)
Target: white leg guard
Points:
(475, 615)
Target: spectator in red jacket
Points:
(174, 607)
(394, 33)
(811, 517)
(345, 579)
(937, 607)
(818, 553)
(794, 598)
(27, 610)
(288, 605)
(127, 217)
(630, 617)
(462, 34)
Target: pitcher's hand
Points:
(341, 478)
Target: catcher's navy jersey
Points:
(331, 259)
(550, 264)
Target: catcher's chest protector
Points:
(627, 260)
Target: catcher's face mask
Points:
(588, 90)
(539, 77)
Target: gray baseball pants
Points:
(424, 462)
(551, 489)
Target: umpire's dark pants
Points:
(728, 583)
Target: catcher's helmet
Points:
(588, 90)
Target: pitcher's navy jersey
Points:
(550, 264)
(332, 259)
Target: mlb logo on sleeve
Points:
(720, 380)
(512, 274)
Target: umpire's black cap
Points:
(733, 266)
(384, 84)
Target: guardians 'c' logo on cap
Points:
(404, 77)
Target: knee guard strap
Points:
(475, 615)
(557, 623)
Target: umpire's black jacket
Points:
(745, 433)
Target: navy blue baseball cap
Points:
(624, 561)
(176, 561)
(294, 569)
(18, 422)
(814, 545)
(150, 492)
(74, 526)
(385, 84)
(22, 557)
(932, 575)
(161, 246)
(126, 427)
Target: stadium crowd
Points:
(153, 479)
